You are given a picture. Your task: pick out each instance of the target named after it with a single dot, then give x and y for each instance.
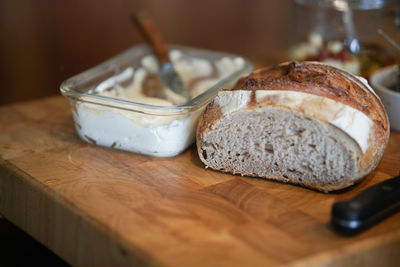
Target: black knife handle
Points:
(367, 208)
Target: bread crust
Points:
(321, 80)
(318, 79)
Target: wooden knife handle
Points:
(151, 34)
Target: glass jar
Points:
(344, 33)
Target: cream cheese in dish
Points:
(155, 135)
(113, 128)
(196, 73)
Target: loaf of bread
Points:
(302, 123)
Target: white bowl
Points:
(381, 81)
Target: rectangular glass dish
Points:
(113, 104)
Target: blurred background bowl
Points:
(382, 80)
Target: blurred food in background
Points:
(344, 33)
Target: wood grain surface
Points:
(96, 206)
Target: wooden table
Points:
(96, 206)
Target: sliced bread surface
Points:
(303, 136)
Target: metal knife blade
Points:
(175, 90)
(170, 78)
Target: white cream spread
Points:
(188, 68)
(117, 130)
(163, 135)
(352, 121)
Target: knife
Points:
(176, 91)
(367, 208)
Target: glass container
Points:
(344, 33)
(108, 111)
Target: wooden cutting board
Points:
(96, 206)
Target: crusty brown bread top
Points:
(318, 79)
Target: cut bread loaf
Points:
(301, 123)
